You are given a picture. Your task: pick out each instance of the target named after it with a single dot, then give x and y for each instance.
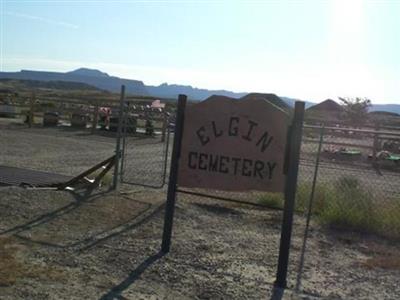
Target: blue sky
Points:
(310, 50)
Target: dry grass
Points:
(13, 266)
(10, 267)
(391, 262)
(345, 204)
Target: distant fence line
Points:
(31, 107)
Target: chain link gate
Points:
(145, 138)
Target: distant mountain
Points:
(88, 72)
(106, 82)
(291, 101)
(92, 77)
(19, 84)
(166, 90)
(383, 113)
(394, 108)
(109, 83)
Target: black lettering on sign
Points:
(203, 161)
(216, 133)
(213, 163)
(222, 164)
(266, 141)
(235, 162)
(258, 168)
(247, 163)
(251, 126)
(192, 160)
(271, 167)
(233, 130)
(204, 139)
(231, 165)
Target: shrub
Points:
(323, 194)
(347, 182)
(345, 204)
(351, 208)
(389, 218)
(272, 200)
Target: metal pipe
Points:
(118, 144)
(310, 203)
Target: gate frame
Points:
(118, 143)
(291, 167)
(121, 144)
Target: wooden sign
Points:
(234, 145)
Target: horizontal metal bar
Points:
(338, 144)
(110, 160)
(225, 199)
(378, 132)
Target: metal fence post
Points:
(173, 176)
(375, 143)
(164, 127)
(95, 117)
(309, 210)
(290, 193)
(118, 144)
(124, 131)
(31, 113)
(164, 177)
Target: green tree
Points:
(356, 109)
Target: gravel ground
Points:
(55, 245)
(70, 151)
(58, 150)
(62, 245)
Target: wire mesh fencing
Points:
(352, 176)
(145, 146)
(348, 193)
(358, 179)
(348, 180)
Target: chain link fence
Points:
(145, 145)
(348, 181)
(356, 176)
(358, 179)
(348, 193)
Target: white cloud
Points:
(40, 19)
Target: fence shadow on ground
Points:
(120, 229)
(115, 291)
(45, 218)
(88, 242)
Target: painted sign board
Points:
(234, 145)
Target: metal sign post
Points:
(293, 156)
(173, 176)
